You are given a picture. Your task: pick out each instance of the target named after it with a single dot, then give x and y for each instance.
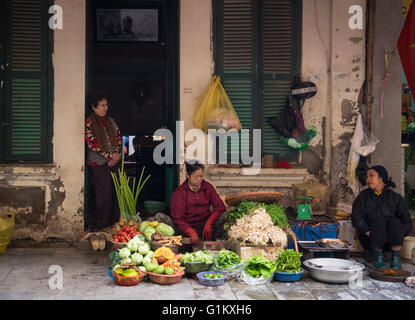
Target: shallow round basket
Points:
(258, 196)
(155, 246)
(211, 282)
(164, 278)
(196, 267)
(287, 276)
(127, 281)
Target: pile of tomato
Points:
(125, 234)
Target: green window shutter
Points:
(27, 100)
(236, 59)
(257, 51)
(280, 65)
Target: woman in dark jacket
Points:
(381, 216)
(191, 205)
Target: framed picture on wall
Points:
(128, 25)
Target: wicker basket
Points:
(258, 196)
(127, 281)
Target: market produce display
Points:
(198, 256)
(213, 275)
(257, 228)
(288, 260)
(226, 259)
(276, 212)
(124, 231)
(162, 239)
(258, 266)
(136, 254)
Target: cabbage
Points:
(133, 245)
(143, 249)
(126, 260)
(150, 254)
(142, 268)
(139, 238)
(124, 253)
(137, 258)
(148, 232)
(165, 229)
(146, 260)
(143, 226)
(151, 266)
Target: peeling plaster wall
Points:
(334, 59)
(49, 199)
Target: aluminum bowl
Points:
(332, 270)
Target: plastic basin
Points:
(165, 279)
(211, 282)
(154, 206)
(288, 276)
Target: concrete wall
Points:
(196, 58)
(49, 199)
(388, 128)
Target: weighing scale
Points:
(304, 208)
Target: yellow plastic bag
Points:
(6, 230)
(216, 110)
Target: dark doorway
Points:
(132, 55)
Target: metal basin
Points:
(332, 270)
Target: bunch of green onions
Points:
(127, 198)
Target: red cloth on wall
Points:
(406, 48)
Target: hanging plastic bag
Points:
(247, 279)
(216, 110)
(285, 123)
(362, 145)
(232, 272)
(6, 230)
(301, 142)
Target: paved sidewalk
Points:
(24, 274)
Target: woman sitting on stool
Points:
(381, 216)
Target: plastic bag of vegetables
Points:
(258, 270)
(229, 263)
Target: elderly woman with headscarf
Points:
(381, 217)
(104, 142)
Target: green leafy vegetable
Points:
(288, 260)
(276, 212)
(258, 266)
(226, 259)
(245, 207)
(198, 256)
(115, 258)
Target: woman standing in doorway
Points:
(104, 142)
